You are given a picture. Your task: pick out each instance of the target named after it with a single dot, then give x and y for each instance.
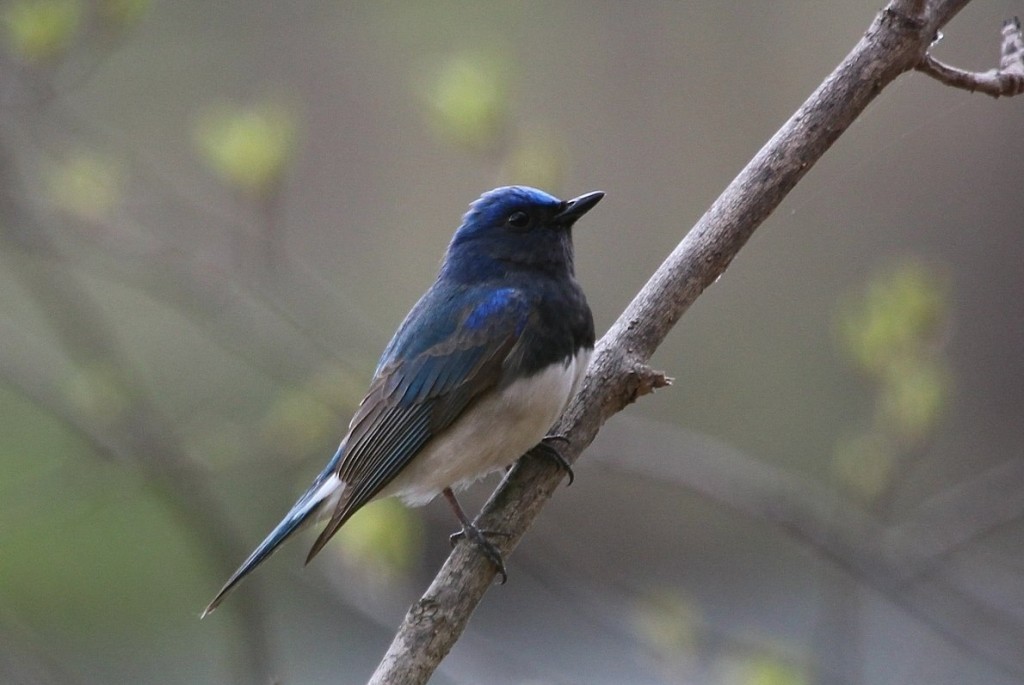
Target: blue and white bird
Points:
(474, 377)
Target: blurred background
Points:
(213, 216)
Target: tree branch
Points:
(894, 560)
(137, 434)
(1007, 80)
(895, 43)
(952, 519)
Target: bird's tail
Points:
(325, 491)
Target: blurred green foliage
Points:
(105, 567)
(41, 30)
(672, 629)
(669, 625)
(766, 670)
(383, 541)
(102, 552)
(248, 147)
(469, 105)
(899, 315)
(863, 462)
(667, 621)
(892, 332)
(298, 423)
(219, 444)
(468, 101)
(303, 419)
(122, 14)
(913, 396)
(96, 393)
(539, 160)
(86, 185)
(88, 550)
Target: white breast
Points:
(491, 434)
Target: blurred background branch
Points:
(96, 392)
(212, 217)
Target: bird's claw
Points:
(545, 449)
(479, 538)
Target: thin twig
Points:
(1005, 81)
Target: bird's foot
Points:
(479, 538)
(546, 449)
(476, 535)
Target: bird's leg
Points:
(545, 449)
(476, 535)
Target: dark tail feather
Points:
(300, 513)
(342, 513)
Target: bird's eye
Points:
(519, 220)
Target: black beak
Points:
(575, 208)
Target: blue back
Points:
(505, 305)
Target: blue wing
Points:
(429, 373)
(456, 343)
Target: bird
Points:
(475, 376)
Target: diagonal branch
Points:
(895, 43)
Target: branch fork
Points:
(1006, 81)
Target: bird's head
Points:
(516, 227)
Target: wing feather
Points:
(412, 399)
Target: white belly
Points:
(490, 435)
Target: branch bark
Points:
(1007, 80)
(896, 42)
